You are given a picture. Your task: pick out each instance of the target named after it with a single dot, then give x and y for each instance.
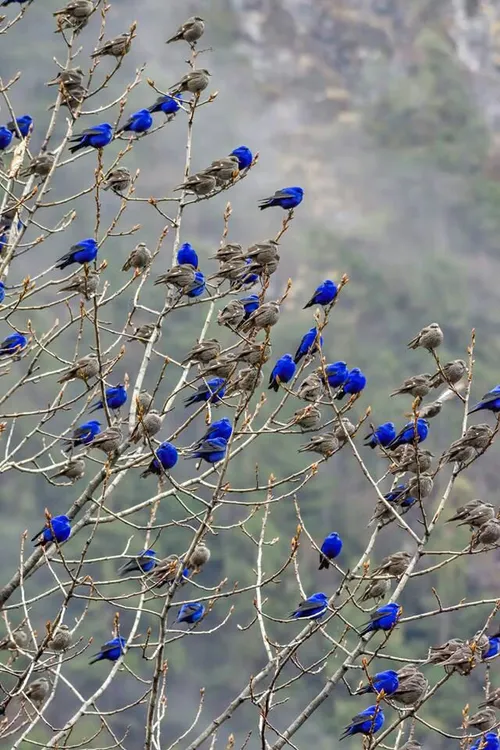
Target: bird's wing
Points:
(308, 605)
(491, 396)
(109, 646)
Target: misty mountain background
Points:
(387, 114)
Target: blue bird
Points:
(145, 561)
(2, 292)
(213, 390)
(311, 608)
(250, 303)
(186, 254)
(354, 384)
(167, 104)
(191, 613)
(308, 345)
(139, 122)
(368, 721)
(84, 251)
(221, 428)
(399, 492)
(3, 241)
(24, 125)
(58, 530)
(382, 435)
(110, 651)
(330, 549)
(282, 372)
(387, 681)
(166, 457)
(198, 286)
(212, 451)
(96, 137)
(324, 294)
(407, 434)
(84, 434)
(488, 741)
(13, 345)
(489, 402)
(245, 156)
(9, 2)
(6, 137)
(286, 198)
(336, 373)
(384, 618)
(248, 280)
(116, 396)
(493, 649)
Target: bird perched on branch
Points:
(58, 529)
(140, 258)
(117, 47)
(61, 639)
(40, 166)
(335, 373)
(110, 651)
(212, 451)
(244, 156)
(191, 613)
(286, 198)
(6, 137)
(194, 82)
(394, 565)
(311, 608)
(108, 440)
(116, 396)
(167, 104)
(308, 418)
(213, 391)
(428, 338)
(83, 369)
(147, 427)
(22, 125)
(411, 433)
(84, 251)
(376, 589)
(224, 170)
(282, 372)
(38, 690)
(416, 386)
(382, 435)
(199, 184)
(353, 384)
(330, 549)
(83, 435)
(97, 137)
(74, 15)
(324, 294)
(118, 180)
(166, 457)
(412, 686)
(190, 31)
(384, 618)
(138, 122)
(74, 470)
(367, 722)
(311, 388)
(13, 345)
(144, 562)
(489, 402)
(203, 352)
(143, 333)
(309, 345)
(387, 681)
(325, 445)
(451, 373)
(179, 276)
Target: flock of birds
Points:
(222, 376)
